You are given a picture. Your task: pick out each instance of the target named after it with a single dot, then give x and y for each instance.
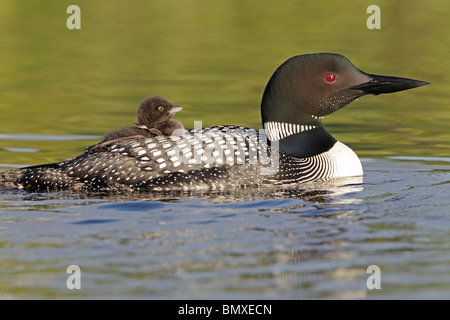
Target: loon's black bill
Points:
(387, 84)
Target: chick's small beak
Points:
(175, 109)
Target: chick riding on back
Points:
(153, 119)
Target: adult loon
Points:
(295, 147)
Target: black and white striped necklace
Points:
(279, 130)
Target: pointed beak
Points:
(175, 109)
(386, 84)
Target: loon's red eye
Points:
(330, 77)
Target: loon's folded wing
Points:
(209, 158)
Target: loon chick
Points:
(153, 119)
(302, 91)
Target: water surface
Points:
(312, 242)
(61, 90)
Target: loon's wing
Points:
(103, 145)
(209, 158)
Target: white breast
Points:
(345, 162)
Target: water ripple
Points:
(45, 137)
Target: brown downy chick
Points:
(154, 119)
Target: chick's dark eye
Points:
(330, 77)
(160, 108)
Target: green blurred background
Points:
(214, 58)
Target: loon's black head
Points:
(308, 87)
(155, 110)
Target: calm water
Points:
(62, 89)
(313, 242)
